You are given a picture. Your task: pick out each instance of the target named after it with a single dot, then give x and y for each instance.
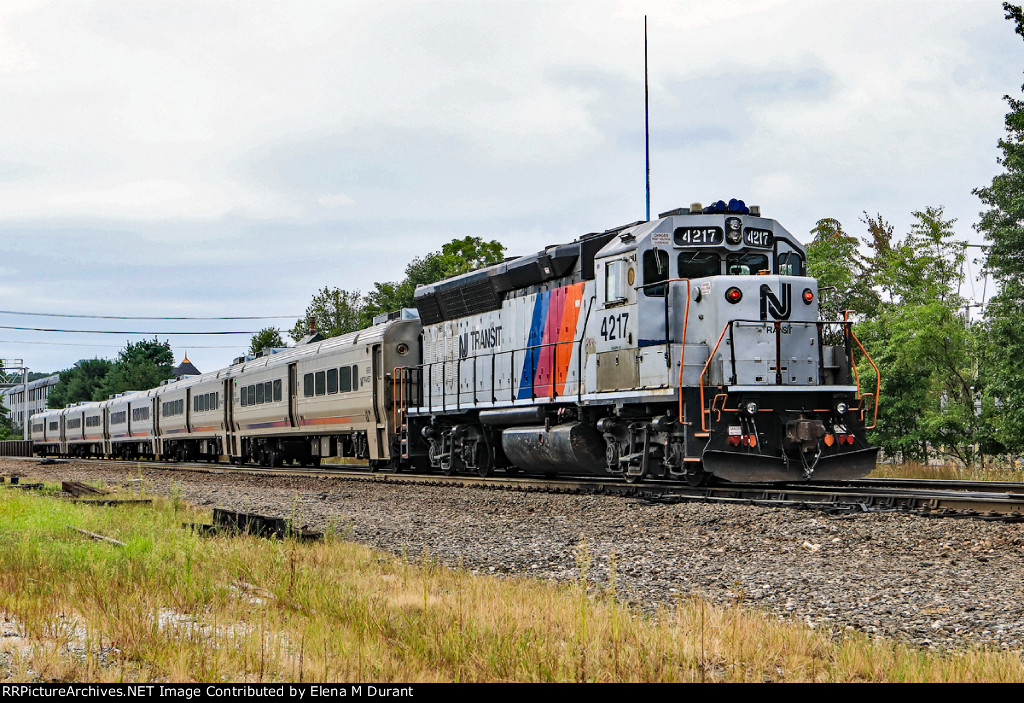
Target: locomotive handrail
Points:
(703, 424)
(705, 412)
(877, 396)
(532, 349)
(668, 330)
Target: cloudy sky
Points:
(222, 158)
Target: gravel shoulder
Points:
(940, 583)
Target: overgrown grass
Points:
(173, 605)
(953, 472)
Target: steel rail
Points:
(932, 501)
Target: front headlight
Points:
(751, 409)
(733, 235)
(841, 408)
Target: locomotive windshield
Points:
(699, 264)
(746, 264)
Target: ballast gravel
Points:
(939, 583)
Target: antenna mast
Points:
(647, 126)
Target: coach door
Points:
(229, 418)
(293, 395)
(379, 398)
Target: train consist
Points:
(686, 347)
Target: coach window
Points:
(321, 382)
(307, 385)
(699, 264)
(355, 377)
(244, 395)
(655, 269)
(332, 381)
(259, 394)
(277, 390)
(215, 398)
(345, 379)
(204, 403)
(268, 391)
(746, 264)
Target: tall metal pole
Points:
(24, 403)
(647, 126)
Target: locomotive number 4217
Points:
(614, 326)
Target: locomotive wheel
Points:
(483, 471)
(698, 477)
(634, 478)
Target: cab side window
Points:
(790, 263)
(655, 270)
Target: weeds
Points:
(174, 605)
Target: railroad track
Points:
(989, 500)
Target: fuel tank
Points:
(569, 448)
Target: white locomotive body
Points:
(687, 346)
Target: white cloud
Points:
(335, 200)
(291, 144)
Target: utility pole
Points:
(6, 366)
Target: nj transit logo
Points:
(779, 309)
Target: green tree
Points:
(834, 258)
(920, 339)
(82, 382)
(455, 258)
(1002, 223)
(139, 366)
(7, 425)
(266, 338)
(335, 311)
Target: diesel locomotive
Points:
(686, 347)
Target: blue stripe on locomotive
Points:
(536, 338)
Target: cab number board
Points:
(698, 236)
(763, 238)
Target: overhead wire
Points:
(138, 317)
(46, 329)
(116, 346)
